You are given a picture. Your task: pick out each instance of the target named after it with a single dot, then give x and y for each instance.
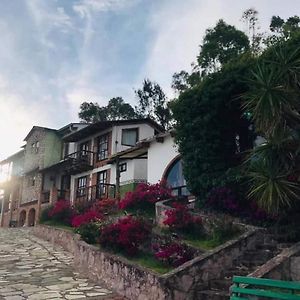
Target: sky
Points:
(56, 54)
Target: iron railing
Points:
(180, 191)
(95, 192)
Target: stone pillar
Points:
(53, 195)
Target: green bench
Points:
(245, 288)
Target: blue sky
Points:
(56, 54)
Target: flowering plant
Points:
(61, 212)
(127, 234)
(106, 206)
(86, 218)
(180, 218)
(146, 195)
(173, 254)
(223, 199)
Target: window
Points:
(129, 136)
(81, 186)
(123, 167)
(84, 148)
(102, 147)
(101, 181)
(35, 147)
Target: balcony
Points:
(80, 161)
(53, 195)
(90, 194)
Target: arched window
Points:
(174, 174)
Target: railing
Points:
(80, 161)
(45, 197)
(180, 191)
(95, 192)
(81, 155)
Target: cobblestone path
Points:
(32, 269)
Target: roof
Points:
(38, 127)
(13, 156)
(141, 148)
(102, 125)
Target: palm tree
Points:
(273, 101)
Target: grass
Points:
(148, 261)
(203, 244)
(57, 225)
(208, 243)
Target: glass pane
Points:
(129, 137)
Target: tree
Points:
(117, 109)
(153, 103)
(91, 112)
(221, 44)
(250, 17)
(211, 128)
(282, 30)
(273, 102)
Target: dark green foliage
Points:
(273, 102)
(209, 118)
(116, 109)
(45, 214)
(89, 232)
(153, 103)
(221, 44)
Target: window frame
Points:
(100, 184)
(99, 144)
(136, 129)
(81, 189)
(123, 167)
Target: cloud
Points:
(85, 7)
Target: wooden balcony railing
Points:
(80, 161)
(95, 192)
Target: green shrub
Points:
(45, 214)
(89, 232)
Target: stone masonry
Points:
(32, 269)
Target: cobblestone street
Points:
(32, 269)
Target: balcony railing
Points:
(45, 197)
(80, 161)
(180, 191)
(95, 192)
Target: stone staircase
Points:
(250, 260)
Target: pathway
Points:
(32, 269)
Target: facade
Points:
(163, 161)
(94, 176)
(83, 163)
(23, 191)
(11, 188)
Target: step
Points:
(261, 254)
(212, 295)
(238, 271)
(220, 284)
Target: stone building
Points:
(24, 189)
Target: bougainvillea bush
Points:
(180, 219)
(62, 212)
(146, 195)
(126, 235)
(106, 206)
(172, 253)
(223, 199)
(85, 218)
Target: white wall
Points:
(145, 131)
(159, 157)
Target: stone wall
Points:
(136, 282)
(284, 266)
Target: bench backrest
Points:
(267, 288)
